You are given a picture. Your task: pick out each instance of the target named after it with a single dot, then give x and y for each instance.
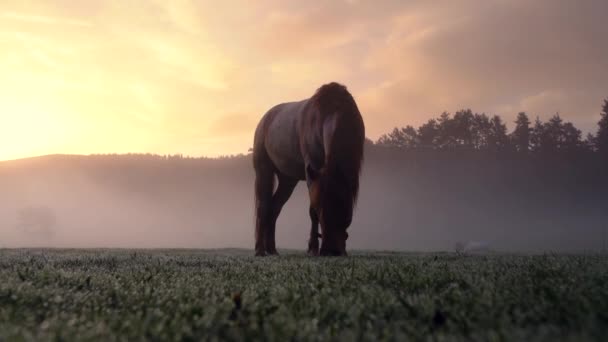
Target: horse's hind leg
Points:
(280, 197)
(313, 242)
(264, 185)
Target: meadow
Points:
(187, 295)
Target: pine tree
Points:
(481, 131)
(571, 138)
(589, 143)
(601, 139)
(462, 128)
(521, 134)
(446, 139)
(428, 135)
(537, 136)
(498, 139)
(405, 137)
(554, 137)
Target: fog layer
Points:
(408, 201)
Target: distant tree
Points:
(446, 138)
(571, 141)
(556, 136)
(455, 132)
(405, 137)
(473, 131)
(461, 128)
(601, 138)
(498, 139)
(537, 136)
(39, 221)
(589, 142)
(553, 139)
(178, 156)
(521, 134)
(481, 131)
(547, 137)
(428, 135)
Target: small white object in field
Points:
(472, 247)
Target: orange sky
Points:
(193, 77)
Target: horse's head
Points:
(332, 201)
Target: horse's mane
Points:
(343, 162)
(333, 97)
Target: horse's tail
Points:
(344, 154)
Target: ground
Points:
(230, 295)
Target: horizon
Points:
(194, 78)
(388, 139)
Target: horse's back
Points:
(277, 137)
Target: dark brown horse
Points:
(319, 140)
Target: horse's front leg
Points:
(313, 241)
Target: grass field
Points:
(229, 295)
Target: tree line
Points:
(465, 130)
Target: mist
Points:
(408, 202)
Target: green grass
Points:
(229, 295)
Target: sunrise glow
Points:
(193, 77)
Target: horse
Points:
(320, 140)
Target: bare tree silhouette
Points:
(37, 220)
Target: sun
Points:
(30, 123)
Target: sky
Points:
(194, 77)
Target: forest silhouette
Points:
(457, 178)
(468, 131)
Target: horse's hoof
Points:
(272, 252)
(333, 253)
(313, 252)
(260, 253)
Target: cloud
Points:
(297, 33)
(175, 73)
(231, 125)
(493, 56)
(43, 19)
(184, 15)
